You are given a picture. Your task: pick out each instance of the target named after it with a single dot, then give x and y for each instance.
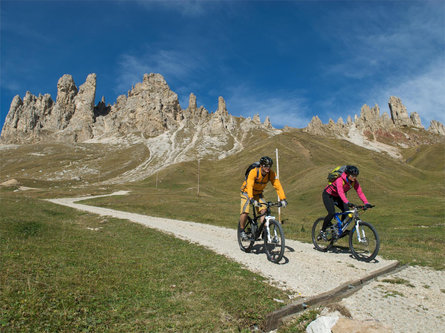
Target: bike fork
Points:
(357, 229)
(266, 224)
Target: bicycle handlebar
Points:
(270, 204)
(363, 207)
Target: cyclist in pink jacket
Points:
(335, 194)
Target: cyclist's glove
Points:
(351, 205)
(254, 203)
(368, 205)
(283, 203)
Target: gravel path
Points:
(411, 305)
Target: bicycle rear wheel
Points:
(364, 242)
(321, 243)
(274, 242)
(246, 244)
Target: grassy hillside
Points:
(410, 198)
(63, 270)
(66, 165)
(67, 271)
(409, 194)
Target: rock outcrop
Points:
(399, 129)
(148, 110)
(437, 127)
(151, 113)
(399, 115)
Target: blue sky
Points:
(290, 60)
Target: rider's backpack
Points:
(337, 172)
(252, 166)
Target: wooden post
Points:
(198, 177)
(278, 177)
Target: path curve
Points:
(307, 272)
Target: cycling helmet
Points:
(352, 170)
(266, 161)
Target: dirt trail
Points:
(412, 306)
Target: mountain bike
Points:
(364, 242)
(270, 231)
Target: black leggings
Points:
(330, 202)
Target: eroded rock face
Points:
(151, 109)
(381, 128)
(436, 127)
(399, 115)
(82, 120)
(148, 110)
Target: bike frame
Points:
(368, 245)
(265, 223)
(352, 215)
(343, 225)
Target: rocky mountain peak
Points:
(149, 113)
(399, 115)
(222, 110)
(376, 131)
(192, 103)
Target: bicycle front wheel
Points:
(321, 242)
(364, 242)
(246, 244)
(274, 242)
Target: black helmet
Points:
(352, 170)
(266, 161)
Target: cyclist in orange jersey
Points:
(252, 190)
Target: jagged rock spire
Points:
(222, 110)
(437, 127)
(149, 109)
(399, 115)
(192, 103)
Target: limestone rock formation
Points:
(267, 122)
(415, 119)
(437, 127)
(370, 127)
(150, 113)
(399, 115)
(82, 120)
(65, 107)
(148, 110)
(315, 126)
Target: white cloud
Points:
(283, 109)
(391, 53)
(372, 40)
(423, 93)
(171, 64)
(188, 8)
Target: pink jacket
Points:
(342, 185)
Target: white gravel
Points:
(417, 305)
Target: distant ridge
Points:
(151, 113)
(149, 110)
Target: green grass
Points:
(410, 202)
(398, 281)
(56, 274)
(62, 270)
(298, 324)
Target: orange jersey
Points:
(254, 185)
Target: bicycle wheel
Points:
(246, 245)
(364, 242)
(274, 241)
(320, 243)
